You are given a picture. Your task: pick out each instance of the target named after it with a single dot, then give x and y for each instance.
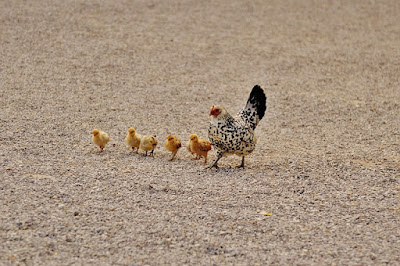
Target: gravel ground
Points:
(327, 164)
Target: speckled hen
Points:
(235, 135)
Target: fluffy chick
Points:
(189, 149)
(199, 146)
(100, 138)
(172, 144)
(133, 139)
(148, 143)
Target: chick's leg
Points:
(215, 164)
(173, 156)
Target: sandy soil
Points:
(327, 165)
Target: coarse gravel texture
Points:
(321, 188)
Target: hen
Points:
(235, 135)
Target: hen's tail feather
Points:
(255, 107)
(258, 98)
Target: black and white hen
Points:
(235, 135)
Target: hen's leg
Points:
(219, 156)
(242, 165)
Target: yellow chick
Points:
(100, 138)
(148, 143)
(199, 146)
(133, 139)
(190, 150)
(172, 144)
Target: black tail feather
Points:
(255, 107)
(257, 98)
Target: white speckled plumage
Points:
(235, 135)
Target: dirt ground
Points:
(322, 186)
